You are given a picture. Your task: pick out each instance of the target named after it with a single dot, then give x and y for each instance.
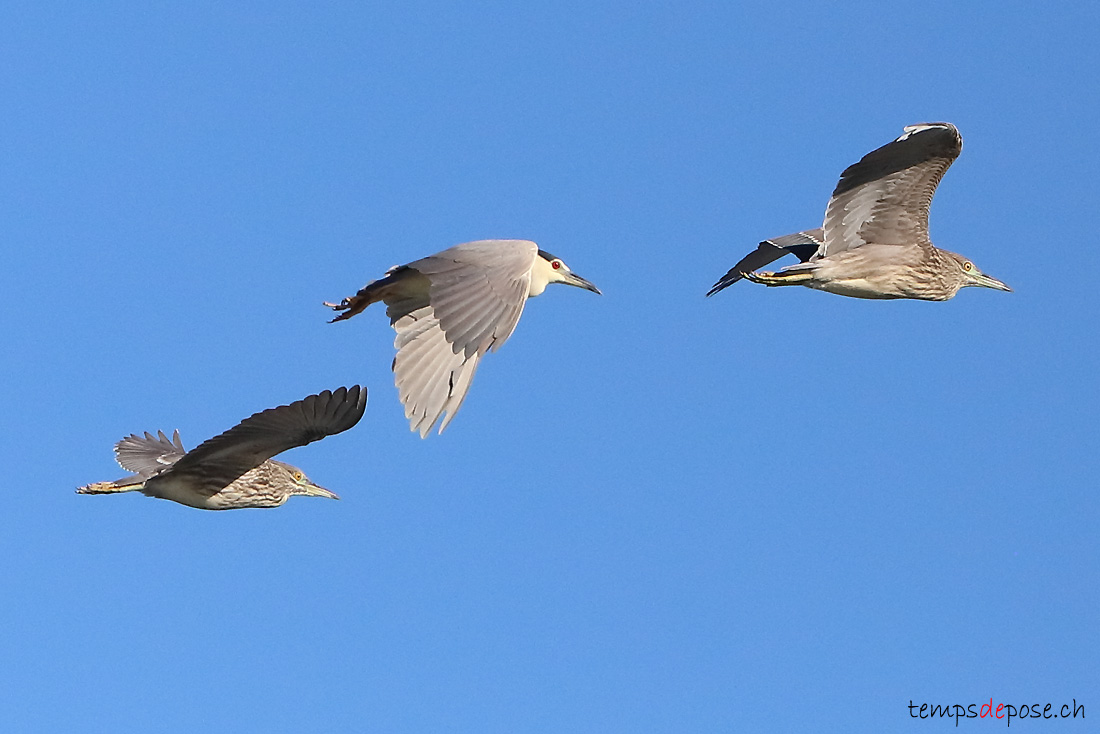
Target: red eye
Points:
(556, 264)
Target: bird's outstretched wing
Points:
(448, 310)
(148, 455)
(801, 244)
(431, 378)
(478, 290)
(475, 295)
(222, 459)
(884, 198)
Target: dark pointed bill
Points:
(574, 279)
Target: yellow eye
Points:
(967, 266)
(298, 476)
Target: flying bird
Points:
(235, 470)
(448, 310)
(874, 243)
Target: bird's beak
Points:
(574, 279)
(990, 282)
(316, 490)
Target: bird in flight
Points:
(874, 242)
(235, 469)
(448, 310)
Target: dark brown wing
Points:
(220, 460)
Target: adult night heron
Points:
(874, 243)
(448, 310)
(235, 470)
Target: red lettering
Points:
(999, 707)
(990, 704)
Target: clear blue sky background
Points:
(772, 510)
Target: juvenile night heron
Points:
(874, 243)
(235, 469)
(448, 310)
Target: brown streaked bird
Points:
(235, 470)
(874, 243)
(448, 310)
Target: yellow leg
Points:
(108, 488)
(780, 278)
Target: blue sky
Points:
(771, 510)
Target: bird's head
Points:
(549, 269)
(300, 483)
(972, 276)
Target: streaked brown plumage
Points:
(874, 243)
(234, 469)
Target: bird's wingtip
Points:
(724, 282)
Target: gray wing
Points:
(453, 308)
(884, 198)
(148, 455)
(478, 290)
(220, 460)
(804, 245)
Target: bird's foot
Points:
(780, 278)
(348, 307)
(764, 277)
(104, 488)
(341, 306)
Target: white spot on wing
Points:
(914, 129)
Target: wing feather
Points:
(431, 378)
(460, 379)
(476, 279)
(802, 244)
(476, 294)
(224, 458)
(884, 198)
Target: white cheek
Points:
(542, 273)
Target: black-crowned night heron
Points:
(451, 308)
(874, 243)
(235, 470)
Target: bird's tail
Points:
(122, 485)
